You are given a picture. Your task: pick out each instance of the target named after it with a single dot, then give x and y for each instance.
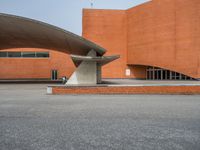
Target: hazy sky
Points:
(66, 14)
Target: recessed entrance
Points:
(155, 73)
(54, 74)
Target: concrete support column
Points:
(88, 70)
(86, 73)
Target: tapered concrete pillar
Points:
(88, 70)
(86, 73)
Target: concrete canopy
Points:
(20, 32)
(100, 60)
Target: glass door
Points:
(54, 74)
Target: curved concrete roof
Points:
(20, 32)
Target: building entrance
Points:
(155, 73)
(54, 74)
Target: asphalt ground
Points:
(32, 120)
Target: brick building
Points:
(157, 40)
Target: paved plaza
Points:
(32, 120)
(132, 82)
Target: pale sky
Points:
(66, 14)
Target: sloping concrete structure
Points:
(20, 32)
(90, 65)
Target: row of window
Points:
(154, 73)
(24, 54)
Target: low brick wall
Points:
(126, 90)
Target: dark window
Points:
(183, 77)
(159, 75)
(164, 74)
(177, 76)
(14, 54)
(42, 54)
(168, 75)
(155, 75)
(24, 54)
(28, 54)
(151, 72)
(3, 54)
(188, 78)
(148, 75)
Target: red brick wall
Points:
(165, 33)
(32, 68)
(108, 29)
(160, 33)
(127, 90)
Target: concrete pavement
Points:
(30, 119)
